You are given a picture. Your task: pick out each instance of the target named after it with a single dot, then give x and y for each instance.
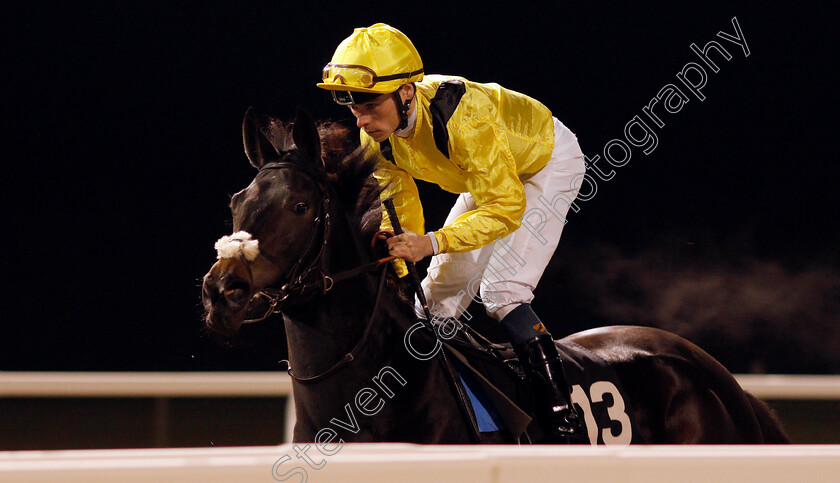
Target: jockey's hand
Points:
(410, 246)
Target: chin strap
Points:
(403, 109)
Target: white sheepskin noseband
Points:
(236, 245)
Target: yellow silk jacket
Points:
(467, 137)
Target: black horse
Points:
(302, 247)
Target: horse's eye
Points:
(301, 208)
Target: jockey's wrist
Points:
(432, 238)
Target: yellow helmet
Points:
(375, 60)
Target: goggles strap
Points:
(404, 75)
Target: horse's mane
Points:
(348, 169)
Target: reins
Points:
(350, 356)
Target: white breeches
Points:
(503, 274)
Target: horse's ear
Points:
(257, 146)
(306, 137)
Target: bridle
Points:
(297, 285)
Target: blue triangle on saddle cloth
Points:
(488, 419)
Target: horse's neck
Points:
(326, 328)
(383, 394)
(321, 333)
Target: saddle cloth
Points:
(501, 399)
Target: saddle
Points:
(500, 398)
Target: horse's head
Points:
(278, 221)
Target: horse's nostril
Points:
(229, 291)
(237, 293)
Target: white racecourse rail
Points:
(197, 384)
(244, 384)
(215, 384)
(372, 463)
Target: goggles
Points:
(357, 76)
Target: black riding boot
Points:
(554, 410)
(544, 371)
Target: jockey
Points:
(516, 169)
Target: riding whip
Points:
(412, 269)
(448, 369)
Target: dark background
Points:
(122, 146)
